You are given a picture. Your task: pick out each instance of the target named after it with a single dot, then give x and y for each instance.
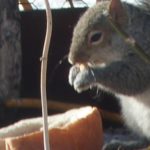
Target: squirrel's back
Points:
(139, 21)
(142, 4)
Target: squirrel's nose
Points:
(70, 61)
(78, 58)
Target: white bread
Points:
(2, 144)
(76, 129)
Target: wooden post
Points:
(26, 4)
(10, 49)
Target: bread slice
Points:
(76, 129)
(2, 144)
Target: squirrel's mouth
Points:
(96, 63)
(90, 65)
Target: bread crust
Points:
(82, 134)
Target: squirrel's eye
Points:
(95, 37)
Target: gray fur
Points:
(112, 65)
(127, 72)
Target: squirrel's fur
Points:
(112, 64)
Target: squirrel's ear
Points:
(117, 12)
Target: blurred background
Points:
(61, 96)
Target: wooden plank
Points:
(26, 5)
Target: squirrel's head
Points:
(94, 40)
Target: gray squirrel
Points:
(110, 63)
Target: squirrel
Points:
(110, 63)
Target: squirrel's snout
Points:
(70, 60)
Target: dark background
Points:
(33, 25)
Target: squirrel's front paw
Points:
(81, 80)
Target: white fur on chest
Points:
(136, 112)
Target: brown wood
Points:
(59, 107)
(25, 4)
